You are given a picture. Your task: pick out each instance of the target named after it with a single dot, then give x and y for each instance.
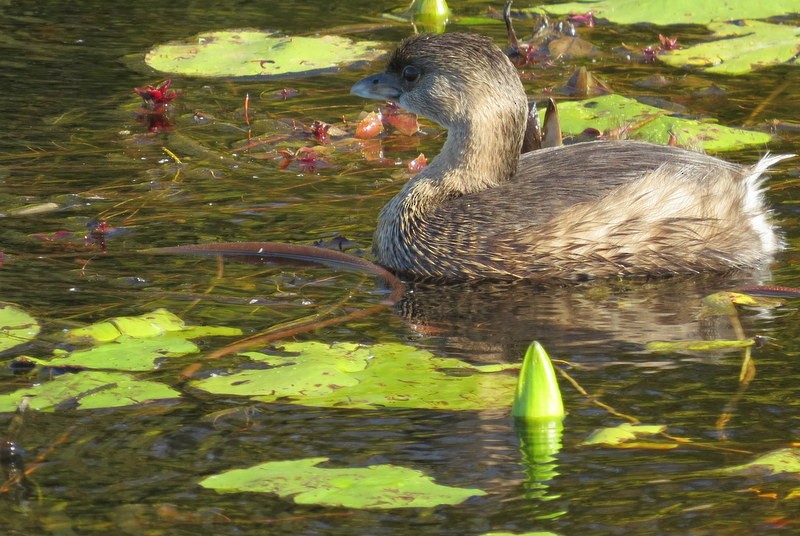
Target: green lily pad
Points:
(776, 462)
(152, 324)
(125, 353)
(739, 48)
(133, 343)
(16, 326)
(89, 390)
(676, 11)
(652, 124)
(259, 53)
(377, 486)
(622, 434)
(355, 376)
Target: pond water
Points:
(70, 137)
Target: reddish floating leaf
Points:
(369, 127)
(403, 122)
(156, 96)
(418, 164)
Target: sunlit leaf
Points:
(89, 390)
(152, 324)
(403, 122)
(734, 48)
(354, 376)
(376, 486)
(369, 127)
(648, 123)
(125, 353)
(259, 53)
(676, 12)
(697, 345)
(621, 434)
(16, 326)
(133, 343)
(776, 462)
(739, 48)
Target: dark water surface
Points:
(68, 135)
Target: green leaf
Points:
(739, 48)
(258, 53)
(377, 486)
(734, 48)
(675, 12)
(621, 434)
(697, 345)
(125, 353)
(537, 396)
(774, 463)
(133, 343)
(652, 124)
(152, 324)
(89, 390)
(16, 326)
(355, 376)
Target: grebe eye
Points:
(410, 73)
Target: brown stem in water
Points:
(751, 119)
(296, 252)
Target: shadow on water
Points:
(597, 317)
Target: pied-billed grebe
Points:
(596, 209)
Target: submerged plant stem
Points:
(291, 251)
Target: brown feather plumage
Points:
(599, 209)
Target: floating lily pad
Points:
(16, 326)
(152, 324)
(652, 124)
(622, 434)
(259, 53)
(776, 462)
(354, 376)
(739, 48)
(125, 353)
(676, 12)
(735, 48)
(89, 390)
(377, 486)
(133, 343)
